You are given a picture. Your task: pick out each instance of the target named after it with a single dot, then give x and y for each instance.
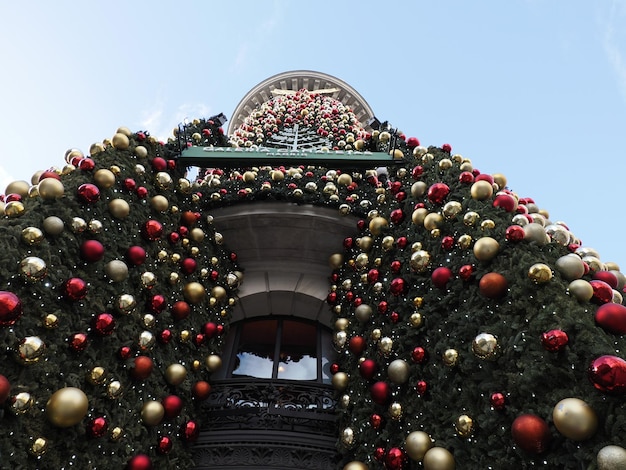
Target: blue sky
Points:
(532, 89)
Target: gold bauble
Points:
(575, 419)
(116, 434)
(194, 292)
(464, 426)
(451, 209)
(485, 346)
(385, 346)
(95, 226)
(355, 464)
(185, 335)
(438, 458)
(340, 381)
(21, 403)
(481, 190)
(213, 362)
(104, 178)
(376, 334)
(420, 260)
(53, 225)
(197, 234)
(14, 209)
(487, 224)
(418, 189)
(377, 225)
(50, 321)
(417, 444)
(540, 273)
(163, 180)
(398, 371)
(33, 192)
(365, 243)
(148, 280)
(116, 270)
(342, 323)
(67, 407)
(450, 357)
(149, 320)
(581, 290)
(611, 458)
(32, 236)
(124, 130)
(33, 269)
(96, 375)
(141, 151)
(159, 203)
(344, 179)
(486, 248)
(18, 187)
(96, 148)
(470, 218)
(388, 242)
(395, 410)
(416, 319)
(445, 164)
(418, 302)
(363, 313)
(146, 340)
(175, 374)
(347, 437)
(464, 241)
(50, 188)
(120, 141)
(433, 221)
(115, 389)
(396, 154)
(39, 447)
(219, 293)
(152, 413)
(31, 349)
(126, 303)
(119, 208)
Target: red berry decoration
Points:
(97, 427)
(357, 345)
(164, 445)
(201, 390)
(438, 192)
(368, 368)
(78, 342)
(88, 193)
(143, 368)
(136, 255)
(180, 310)
(139, 462)
(141, 192)
(493, 285)
(91, 251)
(173, 405)
(441, 276)
(75, 289)
(608, 374)
(602, 292)
(380, 393)
(447, 242)
(396, 459)
(10, 308)
(190, 431)
(531, 433)
(379, 453)
(104, 324)
(152, 230)
(497, 400)
(554, 340)
(5, 389)
(165, 336)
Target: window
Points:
(280, 348)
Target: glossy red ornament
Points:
(5, 389)
(396, 459)
(334, 368)
(180, 310)
(418, 355)
(215, 274)
(49, 174)
(189, 218)
(438, 192)
(506, 202)
(395, 266)
(368, 369)
(608, 277)
(497, 400)
(159, 164)
(382, 308)
(612, 318)
(356, 345)
(372, 276)
(139, 462)
(361, 224)
(493, 285)
(141, 192)
(199, 339)
(164, 445)
(13, 197)
(531, 433)
(608, 374)
(394, 187)
(394, 317)
(210, 329)
(129, 184)
(446, 148)
(376, 421)
(380, 392)
(136, 255)
(421, 387)
(10, 308)
(152, 230)
(86, 164)
(554, 340)
(466, 177)
(402, 242)
(379, 454)
(104, 324)
(417, 172)
(397, 286)
(89, 193)
(348, 242)
(396, 216)
(190, 431)
(142, 369)
(173, 405)
(349, 296)
(78, 342)
(75, 289)
(412, 142)
(466, 271)
(157, 303)
(441, 276)
(331, 298)
(514, 233)
(165, 336)
(188, 265)
(97, 427)
(125, 352)
(602, 292)
(484, 177)
(447, 242)
(201, 390)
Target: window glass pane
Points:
(298, 358)
(328, 356)
(256, 349)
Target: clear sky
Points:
(532, 89)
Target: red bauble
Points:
(497, 400)
(421, 387)
(447, 242)
(104, 324)
(141, 192)
(5, 389)
(441, 276)
(152, 230)
(485, 177)
(180, 310)
(514, 233)
(446, 148)
(396, 216)
(78, 342)
(493, 285)
(142, 369)
(190, 431)
(380, 393)
(417, 172)
(466, 177)
(608, 277)
(382, 308)
(418, 355)
(331, 298)
(188, 265)
(10, 308)
(438, 192)
(164, 445)
(49, 174)
(357, 345)
(210, 329)
(368, 368)
(348, 242)
(129, 184)
(554, 340)
(396, 266)
(75, 289)
(466, 271)
(136, 255)
(165, 336)
(372, 276)
(376, 421)
(188, 218)
(87, 164)
(159, 164)
(612, 318)
(506, 202)
(379, 453)
(199, 339)
(97, 427)
(13, 197)
(139, 462)
(602, 292)
(531, 433)
(91, 251)
(89, 193)
(201, 390)
(173, 405)
(396, 459)
(412, 142)
(157, 303)
(397, 286)
(608, 374)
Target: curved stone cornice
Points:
(296, 80)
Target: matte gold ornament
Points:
(104, 178)
(363, 313)
(96, 148)
(438, 458)
(96, 375)
(342, 323)
(347, 437)
(20, 187)
(575, 419)
(450, 357)
(611, 457)
(33, 269)
(67, 407)
(152, 413)
(219, 293)
(570, 266)
(355, 465)
(32, 236)
(340, 381)
(535, 232)
(417, 444)
(141, 151)
(159, 203)
(14, 209)
(418, 189)
(365, 243)
(398, 371)
(50, 321)
(481, 190)
(377, 225)
(51, 188)
(194, 292)
(120, 141)
(395, 411)
(485, 346)
(175, 374)
(197, 234)
(464, 426)
(31, 349)
(39, 447)
(21, 403)
(213, 362)
(53, 225)
(362, 260)
(115, 390)
(486, 248)
(116, 270)
(124, 130)
(116, 434)
(433, 221)
(540, 273)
